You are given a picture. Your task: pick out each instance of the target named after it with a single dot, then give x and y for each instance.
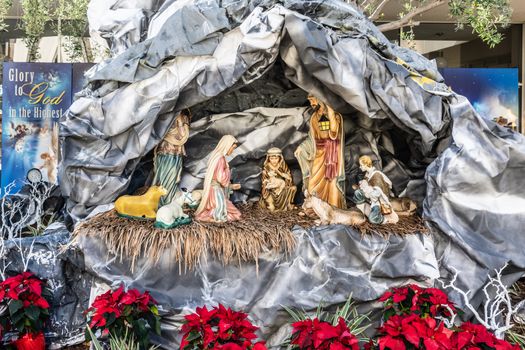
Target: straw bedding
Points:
(234, 242)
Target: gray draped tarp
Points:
(244, 68)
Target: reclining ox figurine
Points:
(140, 207)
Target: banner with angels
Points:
(35, 96)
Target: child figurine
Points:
(278, 190)
(215, 205)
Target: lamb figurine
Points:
(172, 215)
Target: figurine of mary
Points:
(215, 205)
(278, 190)
(168, 156)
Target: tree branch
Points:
(408, 17)
(377, 12)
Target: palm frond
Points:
(516, 338)
(117, 343)
(355, 322)
(296, 315)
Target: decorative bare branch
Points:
(16, 214)
(5, 264)
(493, 307)
(407, 18)
(448, 321)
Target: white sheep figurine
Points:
(171, 215)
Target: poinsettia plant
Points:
(414, 332)
(413, 299)
(313, 334)
(24, 299)
(414, 319)
(219, 328)
(124, 312)
(328, 330)
(476, 336)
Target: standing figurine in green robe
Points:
(168, 156)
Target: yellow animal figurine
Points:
(140, 207)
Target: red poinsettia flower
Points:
(227, 346)
(200, 317)
(259, 346)
(27, 289)
(391, 343)
(401, 331)
(480, 334)
(345, 337)
(215, 328)
(315, 334)
(387, 295)
(415, 299)
(394, 326)
(433, 336)
(134, 297)
(475, 336)
(130, 297)
(118, 311)
(302, 333)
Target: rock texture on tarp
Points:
(328, 265)
(236, 64)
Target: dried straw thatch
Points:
(406, 225)
(234, 242)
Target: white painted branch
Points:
(493, 307)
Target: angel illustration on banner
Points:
(50, 158)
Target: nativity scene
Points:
(318, 160)
(275, 207)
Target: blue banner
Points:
(78, 80)
(493, 92)
(35, 96)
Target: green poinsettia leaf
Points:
(14, 306)
(193, 336)
(389, 313)
(140, 328)
(110, 318)
(155, 310)
(17, 317)
(157, 325)
(32, 312)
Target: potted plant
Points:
(327, 330)
(118, 313)
(421, 318)
(23, 298)
(219, 329)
